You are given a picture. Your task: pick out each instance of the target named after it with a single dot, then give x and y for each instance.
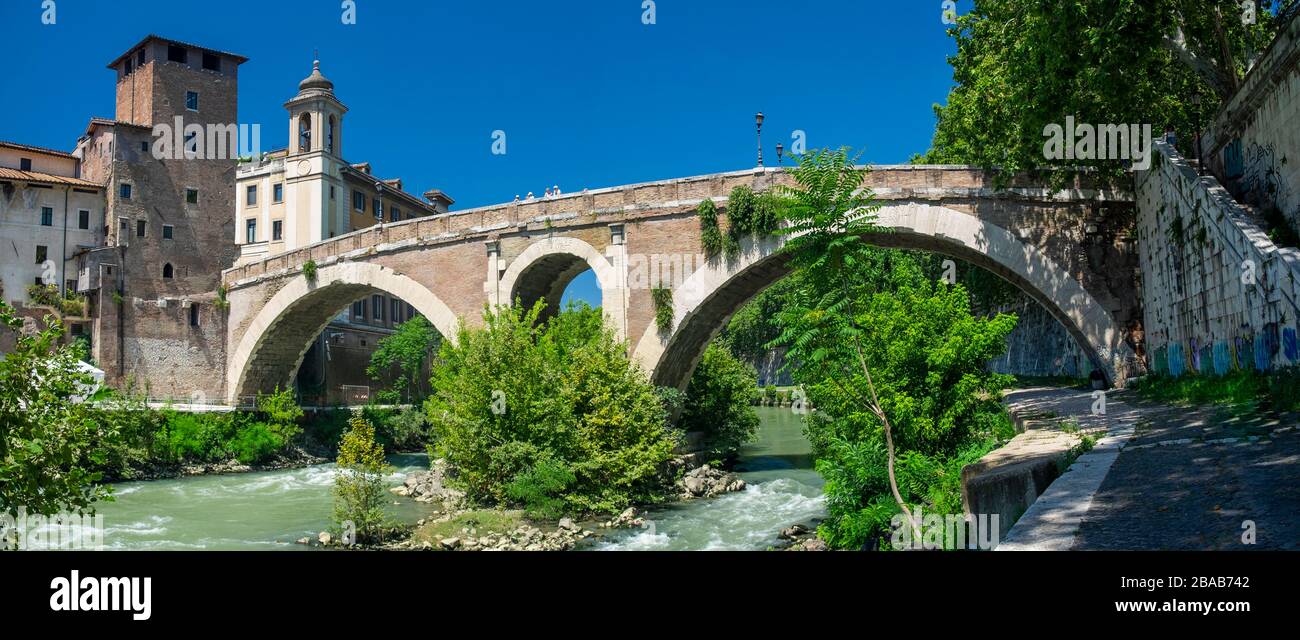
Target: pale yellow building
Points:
(307, 192)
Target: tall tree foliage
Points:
(49, 441)
(1024, 64)
(829, 215)
(892, 357)
(400, 359)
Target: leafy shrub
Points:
(327, 426)
(282, 414)
(740, 211)
(404, 429)
(719, 402)
(309, 270)
(710, 235)
(663, 302)
(400, 360)
(49, 440)
(255, 442)
(540, 487)
(359, 491)
(510, 393)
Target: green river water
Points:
(271, 510)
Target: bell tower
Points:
(315, 196)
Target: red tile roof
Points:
(28, 147)
(45, 178)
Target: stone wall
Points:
(1254, 143)
(1218, 295)
(1039, 345)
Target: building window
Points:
(377, 303)
(83, 219)
(329, 136)
(379, 210)
(211, 62)
(304, 133)
(167, 232)
(250, 198)
(277, 230)
(194, 314)
(167, 271)
(127, 67)
(192, 100)
(359, 310)
(277, 193)
(71, 286)
(397, 214)
(177, 54)
(359, 201)
(144, 146)
(250, 231)
(397, 310)
(139, 228)
(24, 164)
(124, 191)
(139, 58)
(47, 216)
(192, 196)
(331, 192)
(42, 253)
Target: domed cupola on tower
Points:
(316, 116)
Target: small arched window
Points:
(168, 271)
(304, 133)
(329, 136)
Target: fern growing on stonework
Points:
(710, 235)
(663, 301)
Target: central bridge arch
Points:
(706, 300)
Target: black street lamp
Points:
(758, 120)
(780, 150)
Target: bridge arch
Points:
(274, 343)
(547, 267)
(704, 303)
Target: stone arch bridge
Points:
(1071, 250)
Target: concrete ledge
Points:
(1008, 480)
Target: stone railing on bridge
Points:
(629, 202)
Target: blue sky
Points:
(587, 95)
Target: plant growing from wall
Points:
(710, 235)
(309, 270)
(222, 303)
(663, 301)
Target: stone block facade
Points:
(1218, 295)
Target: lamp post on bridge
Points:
(758, 120)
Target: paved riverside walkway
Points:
(1165, 477)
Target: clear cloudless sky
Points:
(587, 95)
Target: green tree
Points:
(1024, 64)
(512, 394)
(400, 359)
(719, 402)
(48, 441)
(895, 358)
(359, 491)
